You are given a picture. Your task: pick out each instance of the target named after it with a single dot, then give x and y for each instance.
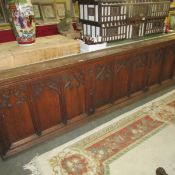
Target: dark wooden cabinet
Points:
(36, 105)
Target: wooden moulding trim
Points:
(30, 71)
(84, 119)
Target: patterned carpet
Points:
(97, 152)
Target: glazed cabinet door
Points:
(15, 116)
(46, 101)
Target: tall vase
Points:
(21, 18)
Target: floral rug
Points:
(99, 151)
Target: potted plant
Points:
(21, 18)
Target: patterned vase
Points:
(21, 18)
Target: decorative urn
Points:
(21, 18)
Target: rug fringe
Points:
(32, 166)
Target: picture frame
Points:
(37, 11)
(75, 9)
(48, 11)
(60, 9)
(2, 15)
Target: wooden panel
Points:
(103, 83)
(156, 58)
(73, 90)
(138, 73)
(15, 112)
(46, 99)
(121, 78)
(168, 63)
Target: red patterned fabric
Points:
(46, 30)
(6, 36)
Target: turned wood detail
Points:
(77, 76)
(19, 94)
(103, 72)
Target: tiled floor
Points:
(13, 166)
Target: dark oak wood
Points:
(42, 100)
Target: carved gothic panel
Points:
(138, 73)
(74, 80)
(103, 84)
(103, 72)
(74, 92)
(47, 102)
(15, 113)
(139, 61)
(18, 94)
(121, 79)
(50, 84)
(122, 64)
(168, 63)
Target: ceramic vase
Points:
(21, 18)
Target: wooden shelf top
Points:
(50, 64)
(46, 48)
